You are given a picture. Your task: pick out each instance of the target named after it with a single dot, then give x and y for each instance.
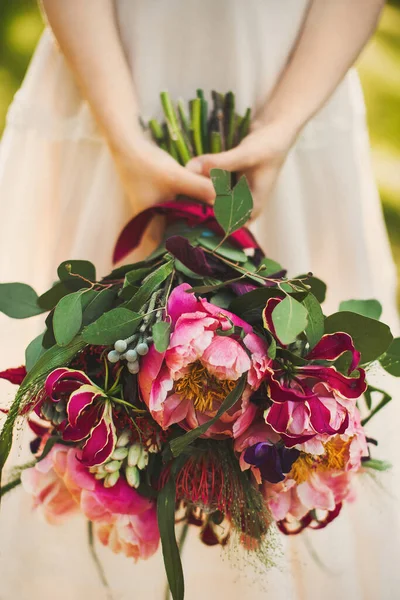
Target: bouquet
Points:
(200, 385)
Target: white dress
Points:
(61, 199)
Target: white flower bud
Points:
(119, 453)
(113, 466)
(100, 475)
(143, 460)
(123, 439)
(134, 454)
(132, 476)
(111, 479)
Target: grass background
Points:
(379, 68)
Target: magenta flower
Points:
(315, 399)
(89, 414)
(188, 383)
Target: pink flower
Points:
(45, 482)
(61, 484)
(137, 536)
(188, 382)
(320, 482)
(312, 400)
(89, 414)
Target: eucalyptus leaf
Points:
(98, 304)
(390, 361)
(149, 286)
(226, 250)
(161, 332)
(371, 337)
(222, 298)
(221, 181)
(316, 286)
(315, 327)
(186, 271)
(34, 351)
(67, 319)
(19, 301)
(368, 308)
(256, 299)
(50, 299)
(170, 550)
(179, 444)
(234, 210)
(118, 323)
(76, 269)
(269, 267)
(290, 318)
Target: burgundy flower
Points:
(314, 399)
(274, 462)
(89, 414)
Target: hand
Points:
(259, 156)
(150, 175)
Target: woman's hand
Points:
(259, 156)
(150, 175)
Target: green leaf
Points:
(223, 298)
(316, 286)
(67, 319)
(385, 399)
(161, 332)
(170, 550)
(132, 281)
(390, 361)
(371, 337)
(226, 250)
(185, 271)
(51, 298)
(95, 305)
(221, 181)
(290, 319)
(34, 351)
(368, 308)
(69, 269)
(150, 285)
(178, 445)
(19, 301)
(269, 267)
(117, 324)
(256, 299)
(50, 360)
(315, 327)
(234, 210)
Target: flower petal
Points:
(79, 400)
(333, 345)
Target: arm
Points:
(333, 35)
(88, 36)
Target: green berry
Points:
(112, 466)
(113, 356)
(120, 346)
(134, 454)
(111, 479)
(119, 454)
(132, 476)
(133, 367)
(131, 356)
(142, 348)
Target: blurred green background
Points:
(379, 67)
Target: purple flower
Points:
(273, 462)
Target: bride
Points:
(75, 166)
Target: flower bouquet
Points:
(200, 385)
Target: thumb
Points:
(232, 160)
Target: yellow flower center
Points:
(334, 459)
(202, 388)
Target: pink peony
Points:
(45, 482)
(136, 536)
(188, 382)
(61, 485)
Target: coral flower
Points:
(188, 383)
(89, 414)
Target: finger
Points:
(238, 159)
(195, 186)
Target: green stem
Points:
(229, 119)
(96, 559)
(195, 106)
(244, 125)
(181, 542)
(9, 486)
(174, 129)
(204, 121)
(216, 142)
(158, 134)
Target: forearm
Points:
(333, 35)
(87, 34)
